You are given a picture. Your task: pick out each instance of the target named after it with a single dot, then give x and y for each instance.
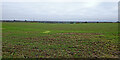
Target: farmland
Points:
(45, 40)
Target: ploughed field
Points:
(45, 40)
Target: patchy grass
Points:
(38, 40)
(46, 32)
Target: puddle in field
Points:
(46, 32)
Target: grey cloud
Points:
(60, 11)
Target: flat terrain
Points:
(44, 40)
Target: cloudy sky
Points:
(61, 10)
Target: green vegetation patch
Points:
(38, 40)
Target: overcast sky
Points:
(63, 11)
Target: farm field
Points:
(45, 40)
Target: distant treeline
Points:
(71, 22)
